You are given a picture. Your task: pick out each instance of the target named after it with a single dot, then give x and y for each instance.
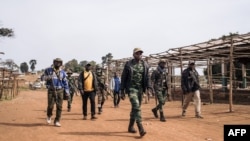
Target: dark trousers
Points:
(117, 98)
(55, 98)
(70, 99)
(91, 96)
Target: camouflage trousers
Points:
(135, 98)
(55, 98)
(70, 99)
(101, 97)
(161, 97)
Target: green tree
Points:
(24, 67)
(32, 64)
(6, 32)
(72, 64)
(11, 65)
(106, 59)
(83, 63)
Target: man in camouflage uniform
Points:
(135, 81)
(72, 88)
(101, 84)
(159, 82)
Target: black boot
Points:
(99, 110)
(162, 117)
(131, 128)
(155, 112)
(141, 129)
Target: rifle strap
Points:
(86, 76)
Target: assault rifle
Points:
(53, 88)
(73, 85)
(194, 79)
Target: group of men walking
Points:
(135, 80)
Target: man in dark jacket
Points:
(87, 85)
(159, 82)
(135, 81)
(190, 87)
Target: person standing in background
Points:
(115, 83)
(72, 88)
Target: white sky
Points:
(90, 29)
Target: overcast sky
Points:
(90, 29)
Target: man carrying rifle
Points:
(190, 87)
(72, 88)
(159, 82)
(56, 83)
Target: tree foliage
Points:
(10, 64)
(6, 32)
(72, 65)
(24, 67)
(106, 59)
(77, 67)
(32, 63)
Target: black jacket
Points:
(128, 73)
(81, 81)
(189, 81)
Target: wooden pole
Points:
(169, 81)
(210, 81)
(1, 91)
(182, 98)
(231, 77)
(223, 74)
(244, 76)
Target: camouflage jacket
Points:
(126, 78)
(72, 84)
(159, 78)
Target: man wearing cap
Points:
(159, 82)
(87, 85)
(190, 87)
(135, 81)
(56, 83)
(72, 88)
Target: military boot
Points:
(155, 112)
(141, 129)
(99, 110)
(162, 117)
(131, 128)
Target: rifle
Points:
(74, 86)
(194, 79)
(54, 90)
(153, 93)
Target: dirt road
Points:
(23, 119)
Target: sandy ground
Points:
(23, 119)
